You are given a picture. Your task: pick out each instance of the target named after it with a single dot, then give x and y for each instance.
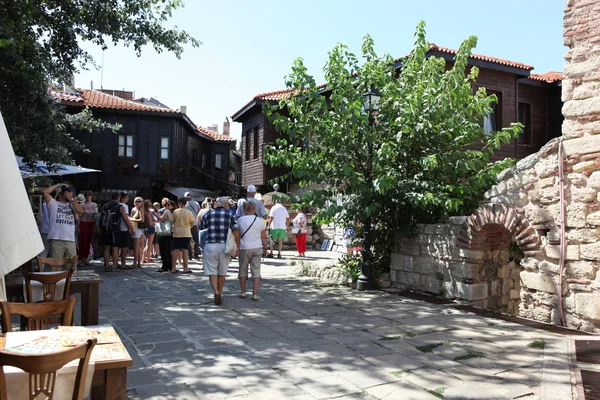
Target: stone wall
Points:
(481, 272)
(472, 261)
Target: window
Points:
(247, 143)
(493, 121)
(219, 161)
(195, 157)
(203, 165)
(164, 148)
(125, 146)
(525, 119)
(255, 142)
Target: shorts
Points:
(278, 234)
(150, 231)
(250, 257)
(62, 249)
(137, 233)
(216, 261)
(181, 243)
(110, 238)
(123, 239)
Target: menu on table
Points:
(108, 348)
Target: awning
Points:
(20, 240)
(197, 194)
(42, 169)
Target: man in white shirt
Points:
(278, 222)
(194, 207)
(260, 208)
(62, 210)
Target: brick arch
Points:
(500, 223)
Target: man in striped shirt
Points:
(218, 221)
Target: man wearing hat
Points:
(62, 210)
(260, 208)
(194, 207)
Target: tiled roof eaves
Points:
(548, 77)
(246, 108)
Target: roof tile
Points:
(548, 77)
(481, 57)
(215, 135)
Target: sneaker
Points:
(242, 295)
(218, 299)
(254, 297)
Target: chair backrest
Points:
(37, 313)
(42, 369)
(57, 264)
(49, 283)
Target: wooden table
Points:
(86, 283)
(110, 377)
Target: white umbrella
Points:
(20, 239)
(41, 168)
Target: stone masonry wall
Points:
(471, 260)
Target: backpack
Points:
(110, 218)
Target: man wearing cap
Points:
(194, 207)
(260, 208)
(62, 210)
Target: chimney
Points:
(226, 127)
(183, 109)
(213, 127)
(69, 86)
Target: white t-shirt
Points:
(201, 215)
(279, 214)
(259, 210)
(62, 221)
(252, 239)
(122, 224)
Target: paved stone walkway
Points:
(305, 340)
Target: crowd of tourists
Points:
(174, 231)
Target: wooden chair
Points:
(49, 283)
(57, 264)
(37, 313)
(42, 369)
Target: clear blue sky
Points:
(248, 47)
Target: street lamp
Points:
(365, 279)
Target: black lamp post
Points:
(366, 280)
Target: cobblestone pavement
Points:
(305, 340)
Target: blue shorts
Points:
(150, 231)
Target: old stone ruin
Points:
(533, 247)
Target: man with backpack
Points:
(111, 217)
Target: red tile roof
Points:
(214, 135)
(549, 77)
(96, 99)
(277, 95)
(480, 57)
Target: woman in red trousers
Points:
(87, 226)
(300, 229)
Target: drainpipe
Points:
(563, 240)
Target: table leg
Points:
(89, 305)
(110, 384)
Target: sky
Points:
(249, 47)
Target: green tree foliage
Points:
(423, 156)
(40, 46)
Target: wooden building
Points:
(158, 151)
(533, 99)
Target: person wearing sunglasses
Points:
(62, 210)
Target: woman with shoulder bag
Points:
(165, 237)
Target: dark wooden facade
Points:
(191, 162)
(535, 103)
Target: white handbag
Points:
(230, 245)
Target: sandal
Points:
(269, 256)
(189, 271)
(109, 269)
(174, 272)
(278, 255)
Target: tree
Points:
(40, 46)
(421, 157)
